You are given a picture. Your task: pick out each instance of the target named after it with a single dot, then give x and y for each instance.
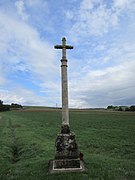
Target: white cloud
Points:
(22, 50)
(96, 18)
(21, 9)
(21, 43)
(21, 96)
(33, 2)
(122, 4)
(8, 97)
(86, 4)
(112, 84)
(69, 14)
(2, 79)
(108, 85)
(17, 93)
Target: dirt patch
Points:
(39, 110)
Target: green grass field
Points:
(106, 138)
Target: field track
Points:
(38, 109)
(53, 109)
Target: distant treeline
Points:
(121, 108)
(7, 107)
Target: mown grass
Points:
(106, 138)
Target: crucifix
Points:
(65, 111)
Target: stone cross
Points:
(65, 111)
(67, 152)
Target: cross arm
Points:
(58, 47)
(69, 47)
(61, 47)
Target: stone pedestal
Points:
(66, 154)
(66, 147)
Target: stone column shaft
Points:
(64, 81)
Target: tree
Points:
(110, 107)
(1, 102)
(13, 105)
(127, 109)
(132, 108)
(4, 107)
(120, 109)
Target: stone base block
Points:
(66, 147)
(67, 154)
(66, 165)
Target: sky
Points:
(101, 67)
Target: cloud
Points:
(100, 67)
(25, 57)
(22, 49)
(2, 79)
(87, 5)
(95, 18)
(112, 82)
(33, 2)
(21, 96)
(103, 87)
(122, 4)
(9, 97)
(21, 9)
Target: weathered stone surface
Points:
(65, 129)
(66, 163)
(66, 147)
(64, 81)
